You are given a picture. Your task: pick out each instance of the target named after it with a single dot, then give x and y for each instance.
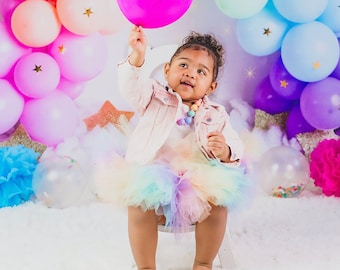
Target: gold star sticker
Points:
(264, 120)
(37, 69)
(316, 65)
(88, 12)
(283, 83)
(107, 114)
(20, 136)
(266, 31)
(61, 49)
(250, 73)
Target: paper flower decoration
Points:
(16, 172)
(325, 166)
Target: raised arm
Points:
(138, 44)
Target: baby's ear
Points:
(166, 69)
(212, 88)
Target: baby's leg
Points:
(209, 236)
(143, 236)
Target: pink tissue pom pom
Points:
(325, 166)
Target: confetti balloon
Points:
(283, 171)
(153, 13)
(59, 181)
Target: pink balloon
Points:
(114, 20)
(7, 7)
(153, 13)
(70, 88)
(35, 23)
(82, 17)
(36, 74)
(10, 51)
(11, 106)
(51, 119)
(80, 58)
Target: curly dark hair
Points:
(206, 42)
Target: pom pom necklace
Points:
(190, 114)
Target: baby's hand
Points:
(138, 44)
(217, 146)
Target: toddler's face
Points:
(191, 74)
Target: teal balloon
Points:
(262, 34)
(300, 11)
(310, 51)
(331, 15)
(240, 9)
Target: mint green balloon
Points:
(240, 9)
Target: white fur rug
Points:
(271, 233)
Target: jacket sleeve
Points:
(136, 90)
(233, 140)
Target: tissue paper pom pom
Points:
(17, 166)
(325, 166)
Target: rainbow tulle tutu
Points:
(182, 186)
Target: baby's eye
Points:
(183, 65)
(201, 71)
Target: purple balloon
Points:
(266, 99)
(284, 83)
(320, 103)
(337, 131)
(296, 123)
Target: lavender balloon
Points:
(320, 103)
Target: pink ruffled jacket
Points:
(157, 109)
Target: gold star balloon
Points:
(20, 136)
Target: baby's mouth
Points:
(187, 83)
